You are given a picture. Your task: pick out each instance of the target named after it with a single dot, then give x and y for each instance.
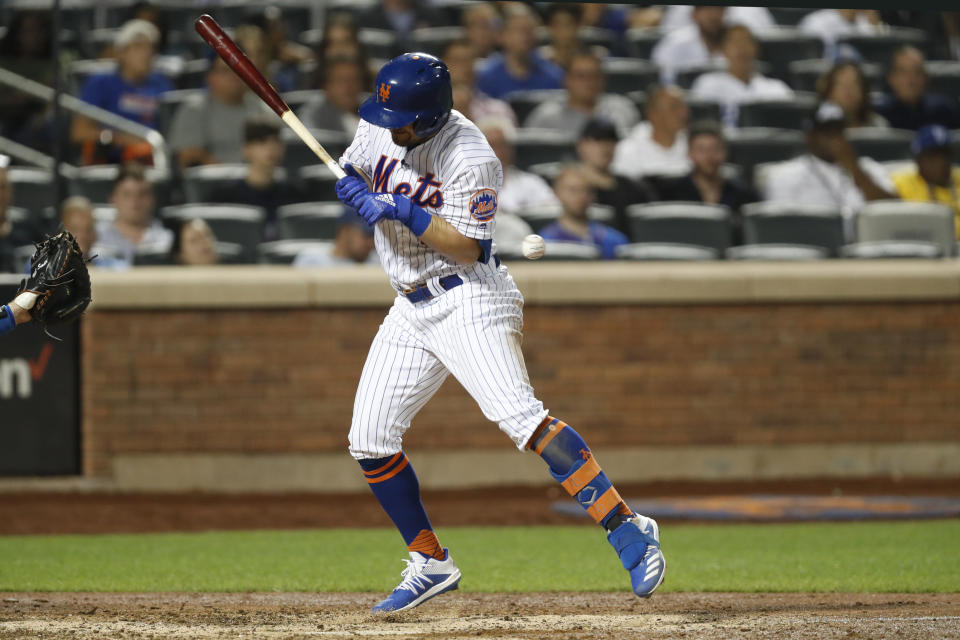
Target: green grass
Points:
(854, 557)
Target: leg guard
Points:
(574, 467)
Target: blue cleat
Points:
(423, 578)
(637, 542)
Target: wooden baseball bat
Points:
(237, 60)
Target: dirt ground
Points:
(548, 616)
(580, 616)
(51, 513)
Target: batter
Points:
(433, 202)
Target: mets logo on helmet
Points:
(384, 92)
(483, 204)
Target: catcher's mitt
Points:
(58, 289)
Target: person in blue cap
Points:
(933, 178)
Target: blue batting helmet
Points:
(410, 89)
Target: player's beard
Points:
(403, 137)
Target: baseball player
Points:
(432, 199)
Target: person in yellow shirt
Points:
(934, 179)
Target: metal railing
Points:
(31, 87)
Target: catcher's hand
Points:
(58, 289)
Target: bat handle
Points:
(294, 123)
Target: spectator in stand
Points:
(706, 182)
(461, 61)
(595, 148)
(576, 195)
(830, 24)
(263, 152)
(482, 24)
(399, 16)
(755, 18)
(830, 173)
(343, 80)
(25, 49)
(8, 241)
(740, 82)
(519, 67)
(283, 55)
(563, 22)
(194, 245)
(933, 178)
(135, 227)
(846, 86)
(133, 91)
(340, 38)
(521, 190)
(76, 214)
(697, 44)
(908, 105)
(353, 245)
(657, 146)
(209, 128)
(584, 83)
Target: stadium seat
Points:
(379, 43)
(642, 40)
(286, 251)
(665, 251)
(317, 183)
(523, 102)
(539, 217)
(891, 249)
(227, 252)
(543, 145)
(201, 184)
(309, 220)
(943, 76)
(194, 74)
(639, 98)
(628, 74)
(238, 223)
(879, 46)
(907, 221)
(793, 223)
(297, 154)
(804, 74)
(434, 40)
(96, 183)
(570, 251)
(79, 70)
(880, 143)
(592, 36)
(601, 213)
(296, 99)
(776, 252)
(781, 46)
(702, 109)
(32, 188)
(546, 170)
(686, 76)
(750, 146)
(783, 114)
(788, 16)
(694, 223)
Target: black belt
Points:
(421, 293)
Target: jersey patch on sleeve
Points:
(483, 204)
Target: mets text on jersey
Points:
(420, 197)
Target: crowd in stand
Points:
(598, 113)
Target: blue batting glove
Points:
(388, 206)
(350, 188)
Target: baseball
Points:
(533, 247)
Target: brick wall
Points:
(283, 381)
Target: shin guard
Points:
(574, 467)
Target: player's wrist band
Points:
(418, 219)
(7, 321)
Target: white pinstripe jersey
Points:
(454, 174)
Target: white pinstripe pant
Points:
(472, 331)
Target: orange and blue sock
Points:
(397, 488)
